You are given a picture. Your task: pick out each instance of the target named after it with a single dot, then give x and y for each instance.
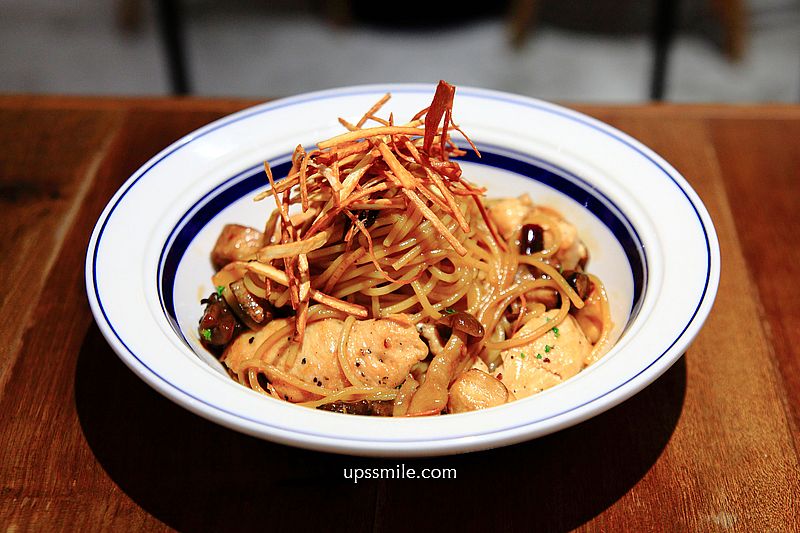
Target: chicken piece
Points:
(236, 243)
(590, 319)
(381, 352)
(475, 389)
(555, 356)
(314, 361)
(509, 213)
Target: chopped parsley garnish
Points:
(220, 288)
(206, 333)
(538, 356)
(547, 319)
(449, 311)
(547, 348)
(556, 333)
(522, 355)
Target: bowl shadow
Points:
(194, 475)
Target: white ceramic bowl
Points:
(650, 237)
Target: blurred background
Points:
(565, 50)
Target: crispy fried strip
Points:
(347, 125)
(299, 219)
(466, 137)
(279, 276)
(325, 219)
(303, 178)
(421, 113)
(367, 133)
(291, 249)
(440, 227)
(304, 293)
(374, 109)
(437, 180)
(352, 179)
(331, 174)
(346, 149)
(407, 180)
(284, 214)
(379, 203)
(431, 195)
(442, 100)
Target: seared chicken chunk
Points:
(383, 351)
(236, 243)
(475, 389)
(314, 361)
(509, 213)
(546, 361)
(379, 352)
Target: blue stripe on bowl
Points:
(247, 182)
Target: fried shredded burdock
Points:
(387, 166)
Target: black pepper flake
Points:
(251, 340)
(358, 363)
(303, 361)
(286, 397)
(319, 383)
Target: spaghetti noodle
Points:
(377, 239)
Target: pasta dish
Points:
(384, 282)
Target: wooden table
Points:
(712, 445)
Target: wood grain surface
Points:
(711, 446)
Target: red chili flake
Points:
(387, 343)
(500, 376)
(546, 359)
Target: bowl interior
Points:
(616, 253)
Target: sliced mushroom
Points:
(461, 321)
(218, 326)
(531, 239)
(257, 309)
(580, 282)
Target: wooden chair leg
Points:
(733, 16)
(522, 16)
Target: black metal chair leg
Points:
(170, 26)
(663, 32)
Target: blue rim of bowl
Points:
(564, 113)
(253, 179)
